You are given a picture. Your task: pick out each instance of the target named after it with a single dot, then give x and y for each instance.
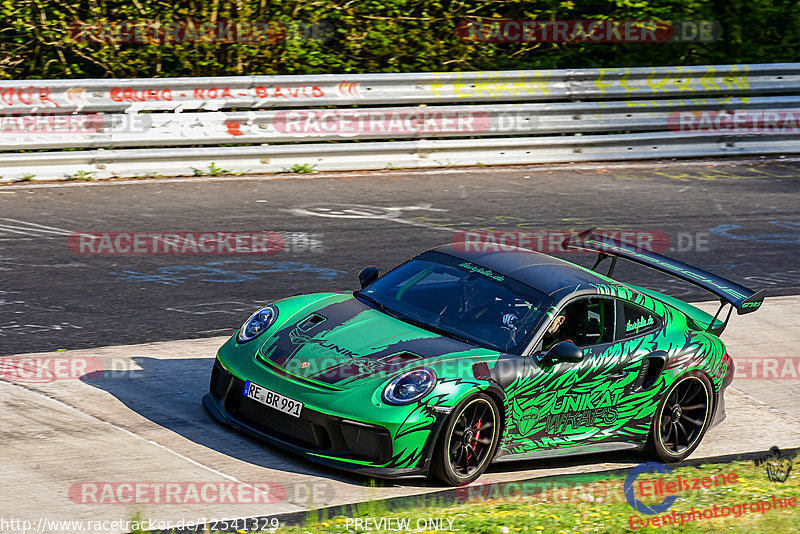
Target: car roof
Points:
(548, 274)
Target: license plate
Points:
(273, 400)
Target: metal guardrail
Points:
(627, 114)
(216, 127)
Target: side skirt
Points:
(571, 451)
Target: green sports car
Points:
(456, 359)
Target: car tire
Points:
(462, 453)
(682, 418)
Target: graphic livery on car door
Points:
(601, 398)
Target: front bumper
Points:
(326, 439)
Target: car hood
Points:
(340, 341)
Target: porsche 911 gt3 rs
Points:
(456, 359)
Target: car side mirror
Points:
(564, 351)
(368, 275)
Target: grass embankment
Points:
(591, 504)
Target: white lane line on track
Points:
(33, 228)
(15, 229)
(338, 210)
(135, 435)
(30, 229)
(9, 229)
(216, 331)
(52, 229)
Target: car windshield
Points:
(462, 300)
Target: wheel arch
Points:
(493, 391)
(697, 372)
(499, 396)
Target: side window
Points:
(635, 320)
(585, 322)
(600, 319)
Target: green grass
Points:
(301, 168)
(81, 176)
(570, 510)
(213, 170)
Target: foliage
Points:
(80, 176)
(301, 168)
(214, 170)
(37, 38)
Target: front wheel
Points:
(468, 441)
(681, 419)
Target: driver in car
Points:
(551, 337)
(479, 306)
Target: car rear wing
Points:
(743, 299)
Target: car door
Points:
(559, 403)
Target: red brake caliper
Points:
(478, 435)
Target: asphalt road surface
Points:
(739, 220)
(135, 316)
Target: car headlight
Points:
(409, 386)
(257, 323)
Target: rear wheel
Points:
(468, 442)
(681, 419)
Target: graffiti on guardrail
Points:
(590, 101)
(130, 94)
(448, 86)
(297, 91)
(633, 81)
(679, 80)
(30, 95)
(490, 84)
(349, 89)
(212, 93)
(136, 94)
(35, 98)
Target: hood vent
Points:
(311, 321)
(401, 358)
